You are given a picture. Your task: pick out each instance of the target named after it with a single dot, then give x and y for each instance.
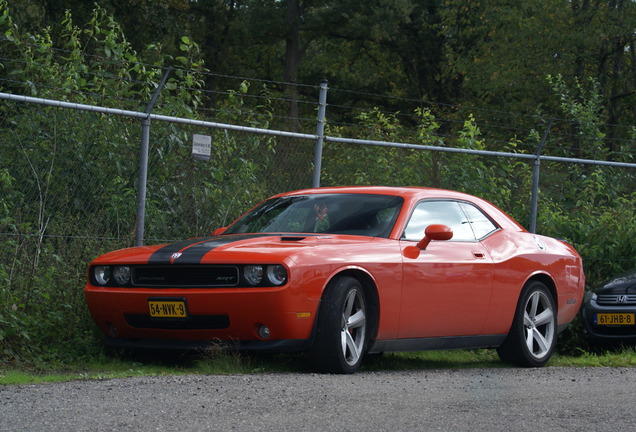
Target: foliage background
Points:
(480, 75)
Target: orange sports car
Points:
(340, 272)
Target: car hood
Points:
(236, 247)
(622, 284)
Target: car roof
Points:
(406, 192)
(416, 193)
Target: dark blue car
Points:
(609, 310)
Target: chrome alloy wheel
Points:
(539, 324)
(354, 327)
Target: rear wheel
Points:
(341, 335)
(532, 337)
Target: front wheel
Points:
(532, 337)
(341, 335)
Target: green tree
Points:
(503, 50)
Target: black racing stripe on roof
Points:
(193, 250)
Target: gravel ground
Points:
(550, 399)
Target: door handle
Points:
(479, 254)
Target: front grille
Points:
(193, 322)
(185, 276)
(616, 300)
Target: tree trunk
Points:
(292, 60)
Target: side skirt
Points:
(439, 343)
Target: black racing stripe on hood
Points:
(193, 250)
(162, 255)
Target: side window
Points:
(439, 212)
(482, 225)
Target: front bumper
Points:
(231, 316)
(607, 333)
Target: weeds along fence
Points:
(83, 172)
(78, 180)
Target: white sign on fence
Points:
(201, 146)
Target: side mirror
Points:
(218, 231)
(435, 232)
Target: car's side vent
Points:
(292, 238)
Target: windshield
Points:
(356, 214)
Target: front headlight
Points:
(276, 274)
(111, 276)
(101, 275)
(264, 275)
(121, 274)
(253, 274)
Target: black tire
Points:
(533, 334)
(342, 328)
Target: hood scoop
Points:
(292, 238)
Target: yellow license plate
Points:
(614, 319)
(167, 308)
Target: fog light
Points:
(263, 332)
(112, 330)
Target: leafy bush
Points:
(69, 178)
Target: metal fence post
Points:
(534, 203)
(143, 178)
(143, 164)
(320, 132)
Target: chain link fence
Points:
(69, 191)
(73, 174)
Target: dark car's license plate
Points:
(614, 319)
(167, 308)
